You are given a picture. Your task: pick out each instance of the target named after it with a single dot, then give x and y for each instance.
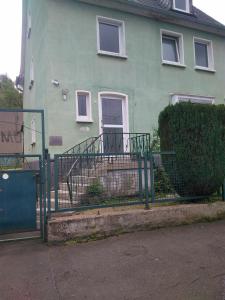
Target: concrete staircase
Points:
(99, 170)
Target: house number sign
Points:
(5, 176)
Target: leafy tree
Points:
(10, 97)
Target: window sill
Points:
(84, 121)
(174, 64)
(104, 53)
(205, 69)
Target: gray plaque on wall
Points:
(55, 141)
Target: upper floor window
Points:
(83, 106)
(182, 5)
(172, 47)
(111, 37)
(203, 54)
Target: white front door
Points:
(114, 123)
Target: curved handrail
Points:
(77, 161)
(138, 143)
(78, 146)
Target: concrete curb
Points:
(80, 226)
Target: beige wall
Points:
(11, 135)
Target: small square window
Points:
(172, 48)
(28, 25)
(111, 37)
(203, 54)
(83, 106)
(33, 131)
(182, 5)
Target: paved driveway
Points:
(174, 263)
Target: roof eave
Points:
(159, 14)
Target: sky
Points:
(11, 21)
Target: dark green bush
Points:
(196, 133)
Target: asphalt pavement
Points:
(181, 263)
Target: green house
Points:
(111, 66)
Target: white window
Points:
(203, 54)
(83, 106)
(31, 73)
(33, 131)
(177, 98)
(172, 50)
(28, 25)
(111, 37)
(182, 5)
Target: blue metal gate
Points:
(18, 197)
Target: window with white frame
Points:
(203, 54)
(111, 36)
(83, 106)
(172, 47)
(33, 132)
(182, 5)
(177, 98)
(28, 25)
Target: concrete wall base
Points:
(102, 223)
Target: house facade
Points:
(99, 66)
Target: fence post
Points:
(223, 190)
(152, 178)
(41, 196)
(56, 181)
(49, 184)
(146, 181)
(140, 176)
(44, 197)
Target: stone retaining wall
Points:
(104, 222)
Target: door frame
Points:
(116, 96)
(125, 112)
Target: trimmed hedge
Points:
(196, 133)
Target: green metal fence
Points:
(100, 180)
(168, 185)
(115, 179)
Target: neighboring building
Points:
(11, 133)
(96, 65)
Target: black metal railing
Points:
(91, 154)
(110, 143)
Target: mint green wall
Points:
(69, 55)
(35, 47)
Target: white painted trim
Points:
(188, 6)
(210, 53)
(177, 98)
(33, 131)
(166, 62)
(122, 37)
(114, 95)
(180, 49)
(88, 118)
(125, 108)
(32, 69)
(29, 24)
